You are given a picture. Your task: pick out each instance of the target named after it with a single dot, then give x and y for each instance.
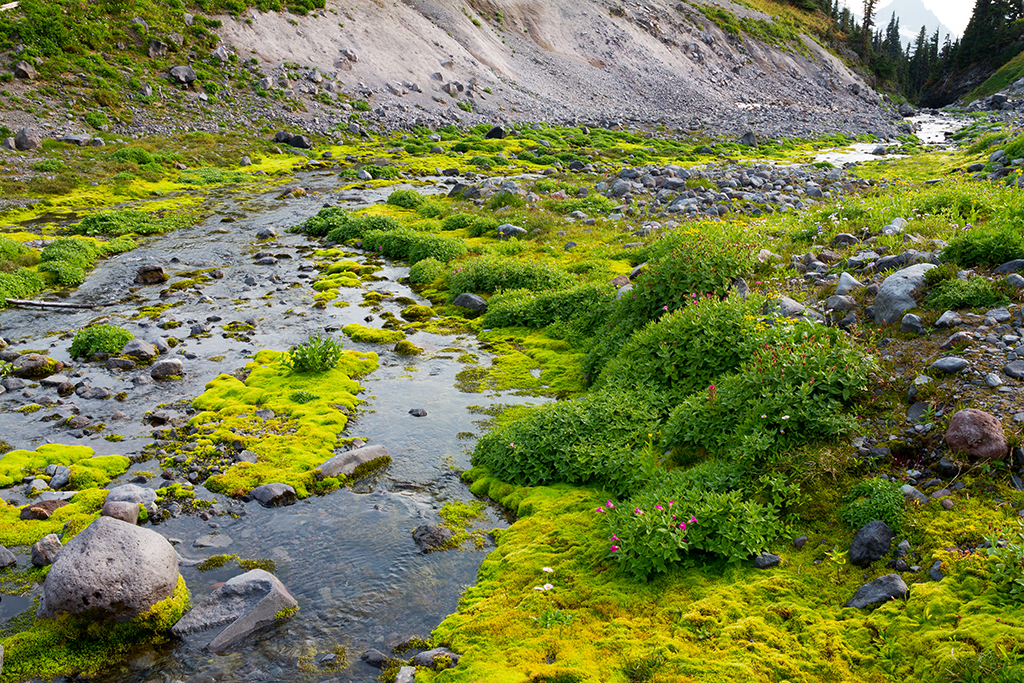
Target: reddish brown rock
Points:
(41, 509)
(977, 434)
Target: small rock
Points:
(168, 367)
(418, 412)
(949, 365)
(935, 573)
(767, 560)
(977, 434)
(274, 495)
(431, 537)
(122, 510)
(882, 589)
(44, 552)
(871, 542)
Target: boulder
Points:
(35, 366)
(7, 558)
(896, 295)
(140, 350)
(438, 657)
(949, 365)
(882, 589)
(151, 275)
(508, 231)
(301, 142)
(749, 139)
(430, 537)
(406, 674)
(767, 561)
(45, 551)
(244, 604)
(495, 133)
(122, 510)
(27, 139)
(283, 136)
(134, 494)
(182, 74)
(169, 367)
(977, 434)
(471, 301)
(274, 495)
(346, 463)
(870, 543)
(25, 71)
(111, 570)
(376, 659)
(41, 509)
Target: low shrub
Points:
(785, 395)
(67, 259)
(99, 339)
(412, 246)
(407, 199)
(327, 219)
(873, 499)
(426, 271)
(356, 226)
(477, 226)
(13, 252)
(596, 439)
(493, 273)
(524, 308)
(19, 284)
(123, 222)
(135, 155)
(976, 292)
(985, 247)
(319, 353)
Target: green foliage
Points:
(580, 441)
(99, 339)
(13, 253)
(426, 271)
(97, 119)
(67, 259)
(1006, 562)
(327, 219)
(491, 273)
(346, 227)
(783, 396)
(319, 353)
(48, 166)
(135, 155)
(872, 499)
(976, 292)
(688, 264)
(525, 308)
(642, 668)
(212, 176)
(405, 243)
(383, 172)
(685, 350)
(303, 396)
(20, 284)
(477, 226)
(985, 247)
(407, 199)
(124, 222)
(939, 274)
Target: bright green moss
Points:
(416, 313)
(372, 335)
(17, 464)
(80, 511)
(98, 471)
(67, 647)
(303, 436)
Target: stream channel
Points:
(347, 557)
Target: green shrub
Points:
(426, 271)
(212, 176)
(872, 499)
(64, 273)
(694, 264)
(71, 250)
(685, 350)
(785, 395)
(48, 166)
(358, 226)
(524, 308)
(431, 208)
(676, 515)
(439, 247)
(97, 120)
(319, 353)
(12, 251)
(407, 199)
(489, 274)
(596, 439)
(327, 219)
(383, 172)
(136, 155)
(122, 222)
(413, 246)
(977, 292)
(939, 274)
(19, 284)
(99, 339)
(985, 247)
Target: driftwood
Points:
(55, 304)
(10, 5)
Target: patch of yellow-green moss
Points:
(299, 439)
(69, 647)
(86, 470)
(407, 348)
(81, 510)
(417, 313)
(372, 335)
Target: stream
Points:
(347, 557)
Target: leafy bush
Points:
(431, 208)
(71, 250)
(12, 251)
(212, 176)
(676, 515)
(977, 292)
(477, 225)
(123, 222)
(696, 264)
(426, 271)
(873, 499)
(319, 353)
(356, 227)
(99, 339)
(63, 272)
(985, 247)
(97, 119)
(582, 441)
(48, 166)
(407, 199)
(327, 219)
(413, 246)
(438, 247)
(19, 284)
(521, 307)
(136, 155)
(685, 350)
(783, 396)
(489, 274)
(383, 172)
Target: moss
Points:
(417, 313)
(372, 335)
(98, 471)
(67, 647)
(15, 465)
(80, 511)
(291, 446)
(407, 348)
(286, 612)
(215, 562)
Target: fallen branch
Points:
(55, 304)
(10, 5)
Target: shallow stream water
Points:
(931, 129)
(348, 557)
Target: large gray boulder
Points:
(882, 589)
(111, 570)
(244, 604)
(347, 462)
(27, 139)
(473, 302)
(895, 296)
(182, 74)
(870, 543)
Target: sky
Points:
(953, 13)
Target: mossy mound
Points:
(86, 471)
(81, 510)
(417, 313)
(68, 647)
(372, 335)
(299, 439)
(407, 348)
